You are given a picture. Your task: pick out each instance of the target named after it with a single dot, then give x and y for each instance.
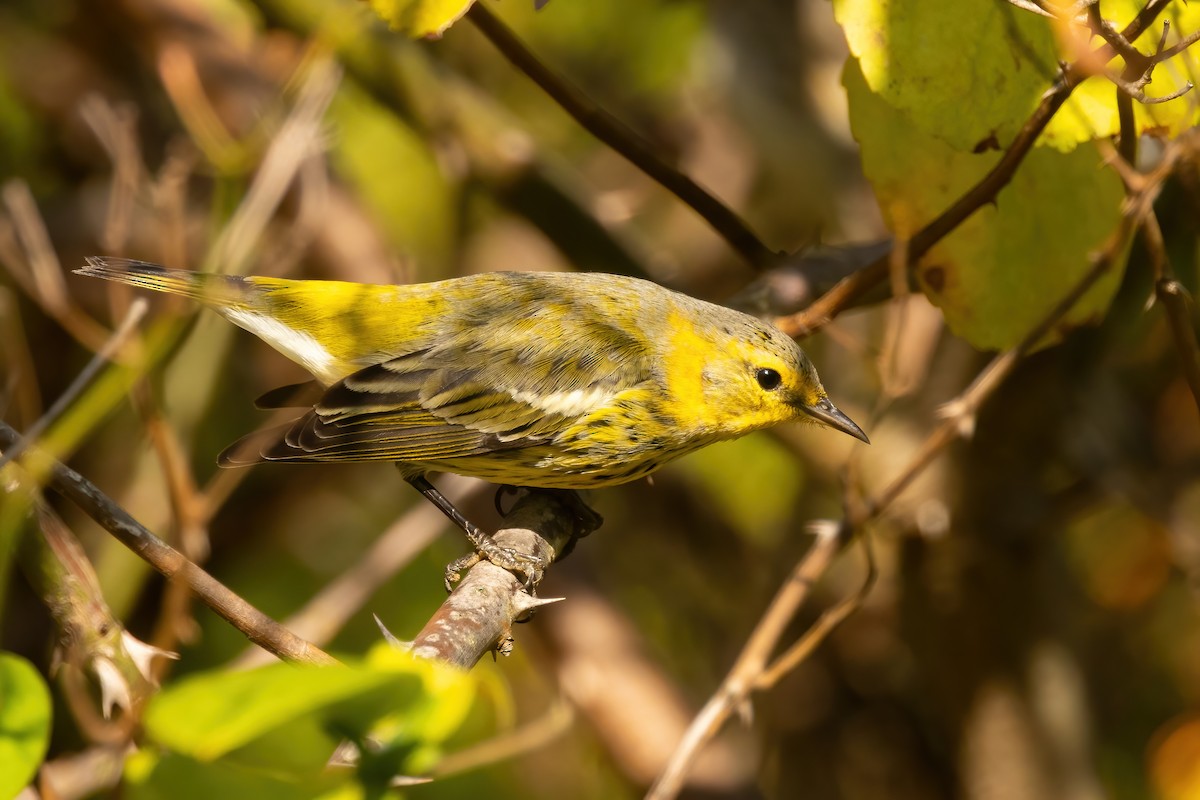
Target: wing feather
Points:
(509, 386)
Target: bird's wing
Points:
(512, 387)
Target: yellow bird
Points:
(554, 380)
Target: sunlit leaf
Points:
(419, 18)
(213, 714)
(170, 776)
(24, 723)
(966, 72)
(997, 275)
(970, 73)
(1092, 110)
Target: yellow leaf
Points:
(421, 18)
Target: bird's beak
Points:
(827, 413)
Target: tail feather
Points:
(295, 395)
(252, 448)
(225, 291)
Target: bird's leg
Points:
(507, 558)
(586, 519)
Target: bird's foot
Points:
(530, 567)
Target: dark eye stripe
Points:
(768, 378)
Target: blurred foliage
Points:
(24, 722)
(276, 726)
(1035, 625)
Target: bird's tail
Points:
(222, 291)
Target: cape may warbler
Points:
(552, 380)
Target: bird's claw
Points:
(532, 568)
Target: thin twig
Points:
(829, 620)
(531, 736)
(137, 310)
(1134, 90)
(21, 387)
(1033, 6)
(188, 515)
(35, 266)
(1178, 305)
(254, 624)
(752, 660)
(1178, 47)
(116, 130)
(625, 141)
(1139, 68)
(297, 140)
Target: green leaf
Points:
(170, 776)
(24, 723)
(966, 72)
(1001, 271)
(971, 72)
(288, 717)
(419, 18)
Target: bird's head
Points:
(761, 377)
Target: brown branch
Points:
(796, 282)
(752, 661)
(829, 620)
(1178, 305)
(614, 133)
(1139, 67)
(985, 191)
(478, 616)
(257, 626)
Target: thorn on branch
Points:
(1137, 63)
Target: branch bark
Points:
(257, 626)
(614, 133)
(479, 614)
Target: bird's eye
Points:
(768, 378)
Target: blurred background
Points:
(1033, 631)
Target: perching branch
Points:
(257, 626)
(327, 612)
(478, 616)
